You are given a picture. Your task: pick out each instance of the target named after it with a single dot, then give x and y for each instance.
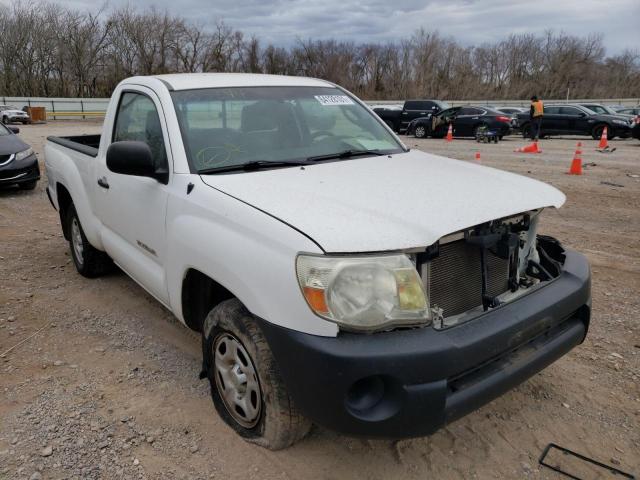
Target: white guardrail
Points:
(75, 108)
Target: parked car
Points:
(513, 113)
(617, 108)
(630, 111)
(18, 162)
(398, 120)
(570, 119)
(466, 121)
(11, 114)
(604, 110)
(336, 276)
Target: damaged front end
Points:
(479, 269)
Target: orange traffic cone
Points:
(604, 143)
(478, 157)
(576, 163)
(533, 148)
(449, 137)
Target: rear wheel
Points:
(247, 389)
(89, 261)
(420, 131)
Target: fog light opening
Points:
(374, 398)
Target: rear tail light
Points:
(503, 119)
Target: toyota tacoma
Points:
(335, 276)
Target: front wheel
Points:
(420, 131)
(89, 261)
(247, 389)
(597, 131)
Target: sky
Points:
(471, 22)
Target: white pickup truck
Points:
(336, 276)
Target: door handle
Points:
(102, 181)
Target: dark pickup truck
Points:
(567, 119)
(398, 120)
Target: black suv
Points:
(570, 119)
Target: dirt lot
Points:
(109, 388)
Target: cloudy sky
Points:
(469, 21)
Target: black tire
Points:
(28, 185)
(420, 131)
(596, 133)
(278, 424)
(89, 261)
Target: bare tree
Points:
(52, 50)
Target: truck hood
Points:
(383, 203)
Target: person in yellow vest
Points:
(535, 113)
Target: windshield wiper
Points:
(345, 154)
(253, 165)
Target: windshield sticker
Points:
(328, 100)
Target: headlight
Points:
(24, 154)
(363, 293)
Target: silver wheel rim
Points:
(76, 240)
(237, 380)
(420, 132)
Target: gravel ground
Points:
(108, 387)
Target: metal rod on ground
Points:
(3, 354)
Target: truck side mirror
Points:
(134, 158)
(13, 129)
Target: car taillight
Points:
(503, 119)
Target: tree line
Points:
(53, 51)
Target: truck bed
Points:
(86, 144)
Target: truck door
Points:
(132, 208)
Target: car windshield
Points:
(224, 127)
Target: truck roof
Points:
(190, 81)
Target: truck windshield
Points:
(223, 127)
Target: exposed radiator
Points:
(454, 277)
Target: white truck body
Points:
(245, 230)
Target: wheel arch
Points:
(64, 202)
(199, 295)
